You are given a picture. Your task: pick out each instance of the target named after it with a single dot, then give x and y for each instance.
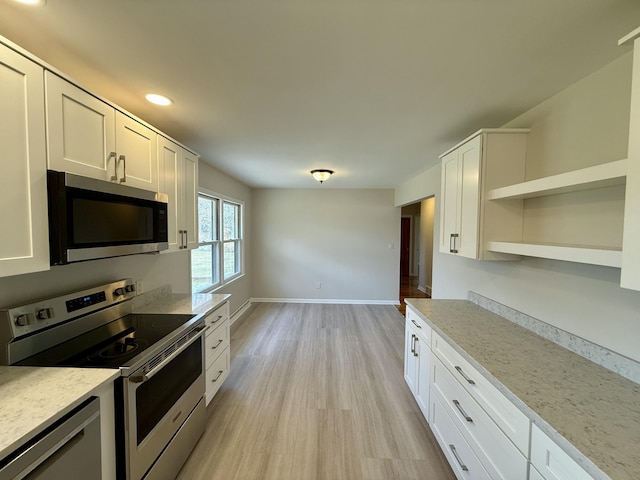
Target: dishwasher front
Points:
(70, 448)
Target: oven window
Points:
(157, 395)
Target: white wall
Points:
(218, 182)
(339, 238)
(154, 270)
(585, 124)
(427, 219)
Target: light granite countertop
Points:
(184, 303)
(33, 398)
(586, 409)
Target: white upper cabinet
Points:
(179, 182)
(88, 137)
(24, 237)
(136, 147)
(488, 159)
(630, 275)
(190, 196)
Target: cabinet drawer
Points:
(420, 325)
(219, 315)
(505, 414)
(461, 458)
(217, 373)
(551, 461)
(216, 341)
(495, 451)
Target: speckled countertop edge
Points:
(178, 303)
(591, 412)
(33, 398)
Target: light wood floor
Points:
(316, 392)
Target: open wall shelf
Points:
(605, 175)
(607, 257)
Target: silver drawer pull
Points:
(219, 342)
(414, 322)
(464, 376)
(220, 372)
(455, 454)
(462, 412)
(216, 320)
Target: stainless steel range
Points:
(160, 408)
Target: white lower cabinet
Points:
(497, 454)
(509, 419)
(463, 461)
(417, 360)
(534, 474)
(551, 461)
(217, 349)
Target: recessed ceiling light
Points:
(33, 2)
(158, 99)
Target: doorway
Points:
(416, 250)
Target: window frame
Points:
(219, 242)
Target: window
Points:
(218, 258)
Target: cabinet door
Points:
(24, 237)
(80, 131)
(630, 274)
(424, 376)
(190, 197)
(169, 163)
(469, 156)
(551, 461)
(410, 359)
(449, 219)
(136, 146)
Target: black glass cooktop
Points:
(113, 345)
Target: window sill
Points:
(215, 288)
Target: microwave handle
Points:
(124, 168)
(113, 155)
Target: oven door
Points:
(158, 402)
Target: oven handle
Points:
(143, 378)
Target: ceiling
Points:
(267, 90)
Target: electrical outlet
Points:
(139, 287)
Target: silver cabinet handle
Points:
(459, 369)
(186, 238)
(415, 349)
(413, 343)
(417, 325)
(216, 320)
(220, 372)
(219, 342)
(123, 159)
(462, 412)
(452, 240)
(114, 177)
(452, 447)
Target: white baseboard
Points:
(428, 292)
(323, 300)
(239, 312)
(422, 289)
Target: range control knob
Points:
(118, 291)
(130, 288)
(23, 320)
(44, 314)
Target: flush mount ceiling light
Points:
(158, 99)
(321, 174)
(33, 2)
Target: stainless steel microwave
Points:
(91, 219)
